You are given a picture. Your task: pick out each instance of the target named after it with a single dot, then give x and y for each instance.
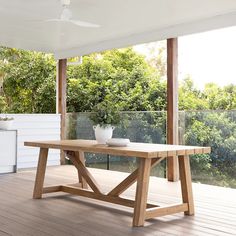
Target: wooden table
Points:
(149, 155)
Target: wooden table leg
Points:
(42, 162)
(82, 181)
(141, 192)
(186, 183)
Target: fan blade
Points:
(84, 24)
(54, 20)
(75, 22)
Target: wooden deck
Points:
(62, 214)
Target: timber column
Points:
(61, 100)
(172, 106)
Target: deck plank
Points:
(63, 214)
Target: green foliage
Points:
(217, 130)
(212, 97)
(89, 84)
(29, 81)
(3, 104)
(119, 76)
(220, 98)
(125, 59)
(105, 114)
(190, 98)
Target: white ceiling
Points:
(123, 23)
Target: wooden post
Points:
(172, 105)
(61, 100)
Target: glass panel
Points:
(216, 129)
(149, 127)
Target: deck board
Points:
(63, 214)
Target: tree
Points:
(29, 81)
(120, 76)
(218, 131)
(220, 98)
(191, 98)
(212, 97)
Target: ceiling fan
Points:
(66, 17)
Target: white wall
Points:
(35, 127)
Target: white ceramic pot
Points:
(6, 124)
(102, 134)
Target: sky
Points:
(207, 57)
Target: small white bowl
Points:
(118, 142)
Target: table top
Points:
(143, 150)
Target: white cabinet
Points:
(8, 151)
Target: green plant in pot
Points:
(105, 116)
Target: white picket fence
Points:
(35, 127)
